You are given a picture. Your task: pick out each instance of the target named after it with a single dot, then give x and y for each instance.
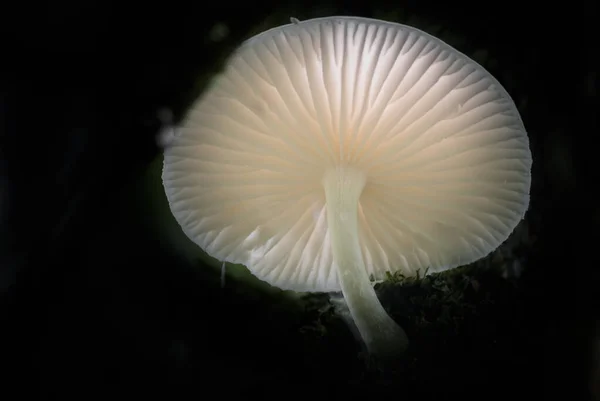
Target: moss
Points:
(464, 322)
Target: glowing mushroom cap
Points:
(444, 153)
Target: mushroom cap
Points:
(443, 146)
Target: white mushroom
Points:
(337, 148)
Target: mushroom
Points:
(337, 149)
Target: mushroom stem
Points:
(381, 335)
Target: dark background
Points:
(92, 304)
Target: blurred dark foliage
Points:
(92, 305)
